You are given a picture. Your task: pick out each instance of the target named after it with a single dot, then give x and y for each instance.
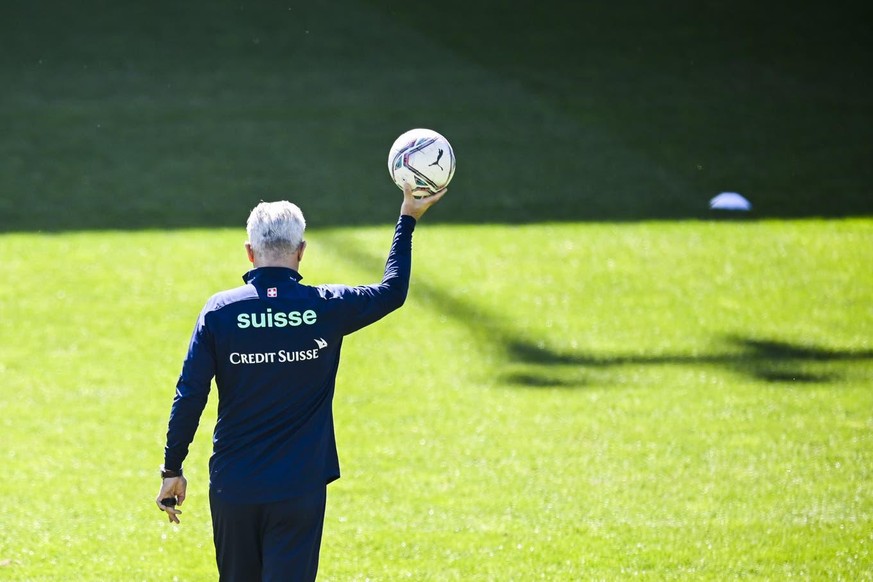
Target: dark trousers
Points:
(268, 542)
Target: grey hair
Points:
(275, 229)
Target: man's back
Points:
(273, 346)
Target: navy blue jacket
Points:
(273, 347)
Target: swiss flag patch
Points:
(271, 292)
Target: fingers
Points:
(435, 197)
(427, 197)
(172, 493)
(409, 191)
(416, 207)
(172, 513)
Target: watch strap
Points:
(170, 473)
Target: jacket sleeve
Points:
(192, 392)
(367, 304)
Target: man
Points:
(273, 347)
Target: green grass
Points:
(668, 401)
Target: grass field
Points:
(593, 378)
(625, 400)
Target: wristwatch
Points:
(169, 473)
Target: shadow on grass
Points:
(176, 115)
(767, 360)
(532, 364)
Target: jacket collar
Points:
(272, 274)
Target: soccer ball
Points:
(424, 158)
